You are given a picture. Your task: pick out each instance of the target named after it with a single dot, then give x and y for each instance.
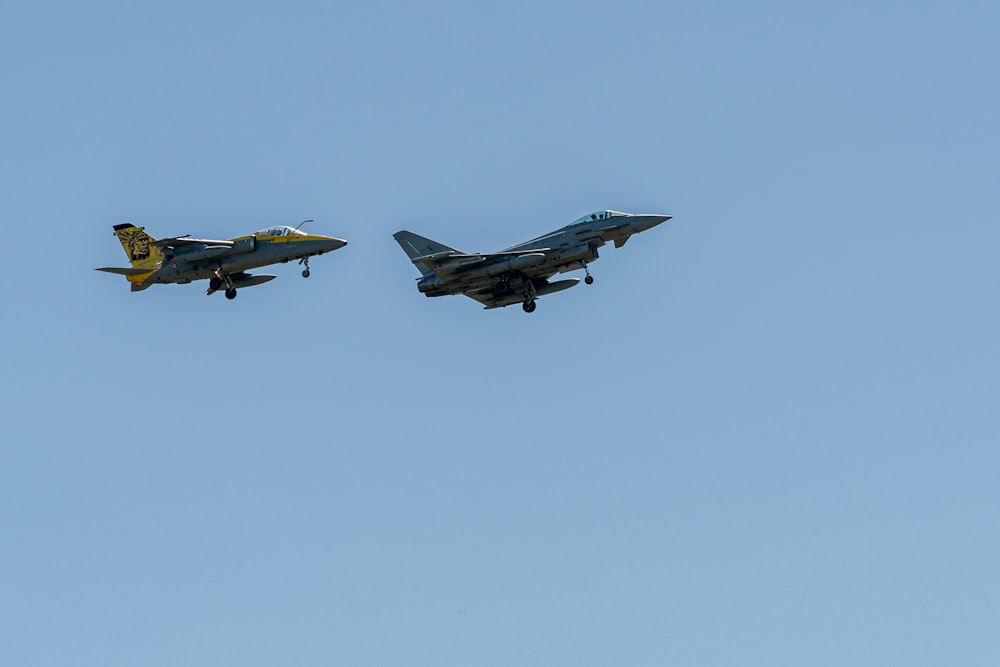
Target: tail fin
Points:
(138, 245)
(416, 246)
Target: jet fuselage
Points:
(248, 252)
(521, 272)
(567, 249)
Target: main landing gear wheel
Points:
(305, 273)
(503, 287)
(589, 280)
(214, 283)
(530, 294)
(231, 293)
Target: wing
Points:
(446, 264)
(186, 241)
(182, 246)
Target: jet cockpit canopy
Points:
(598, 215)
(281, 230)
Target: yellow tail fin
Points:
(138, 245)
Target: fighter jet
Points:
(520, 273)
(223, 263)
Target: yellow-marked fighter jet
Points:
(223, 263)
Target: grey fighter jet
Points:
(521, 273)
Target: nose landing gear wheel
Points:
(528, 306)
(305, 273)
(231, 293)
(589, 280)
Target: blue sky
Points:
(766, 435)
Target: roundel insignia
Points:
(174, 265)
(563, 235)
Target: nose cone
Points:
(331, 243)
(648, 221)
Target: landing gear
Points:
(503, 286)
(529, 298)
(305, 271)
(589, 279)
(218, 281)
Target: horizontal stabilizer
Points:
(124, 272)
